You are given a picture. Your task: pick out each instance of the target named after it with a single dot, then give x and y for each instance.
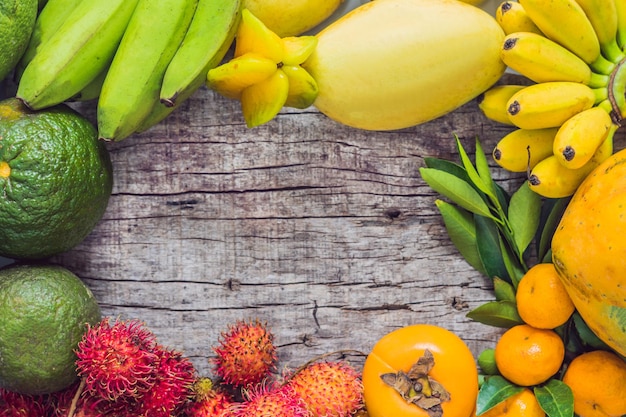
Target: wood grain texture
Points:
(326, 232)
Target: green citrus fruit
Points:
(17, 19)
(44, 311)
(55, 180)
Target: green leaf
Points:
(457, 190)
(555, 209)
(501, 314)
(482, 167)
(587, 337)
(512, 264)
(488, 239)
(503, 198)
(494, 390)
(449, 167)
(462, 232)
(555, 398)
(524, 213)
(473, 173)
(503, 290)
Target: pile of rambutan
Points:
(248, 385)
(123, 372)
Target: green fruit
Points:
(44, 311)
(55, 180)
(17, 19)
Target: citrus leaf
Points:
(494, 390)
(488, 239)
(462, 232)
(555, 209)
(482, 167)
(587, 337)
(503, 290)
(475, 177)
(455, 189)
(501, 314)
(524, 213)
(512, 264)
(449, 167)
(555, 398)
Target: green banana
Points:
(602, 15)
(566, 23)
(49, 20)
(91, 90)
(542, 60)
(81, 48)
(132, 85)
(210, 34)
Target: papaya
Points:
(589, 250)
(393, 64)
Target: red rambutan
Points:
(214, 403)
(246, 354)
(269, 401)
(329, 389)
(174, 376)
(117, 360)
(13, 404)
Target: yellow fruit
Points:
(598, 381)
(44, 311)
(292, 17)
(17, 20)
(588, 250)
(392, 64)
(541, 298)
(528, 356)
(522, 404)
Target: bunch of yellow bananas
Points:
(572, 53)
(139, 58)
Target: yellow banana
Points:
(133, 82)
(522, 149)
(550, 179)
(579, 137)
(566, 23)
(542, 60)
(603, 17)
(206, 42)
(79, 50)
(549, 104)
(49, 20)
(493, 102)
(620, 12)
(385, 80)
(513, 18)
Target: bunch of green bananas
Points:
(139, 58)
(572, 52)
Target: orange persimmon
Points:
(445, 364)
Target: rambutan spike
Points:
(117, 360)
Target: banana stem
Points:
(617, 91)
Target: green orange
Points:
(44, 312)
(17, 20)
(56, 178)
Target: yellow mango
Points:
(589, 250)
(392, 64)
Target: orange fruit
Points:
(529, 356)
(598, 381)
(542, 300)
(522, 404)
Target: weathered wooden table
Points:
(326, 232)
